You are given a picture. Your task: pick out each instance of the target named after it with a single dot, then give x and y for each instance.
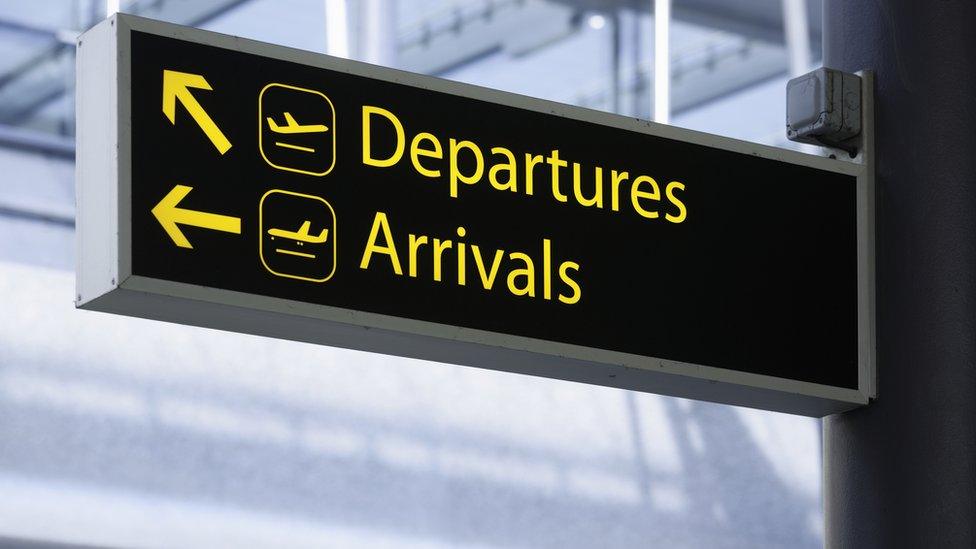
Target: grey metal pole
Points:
(902, 472)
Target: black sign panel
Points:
(243, 186)
(279, 179)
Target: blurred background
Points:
(122, 432)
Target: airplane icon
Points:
(297, 236)
(301, 237)
(296, 129)
(291, 126)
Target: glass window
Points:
(121, 432)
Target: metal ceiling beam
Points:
(9, 25)
(451, 39)
(192, 14)
(38, 101)
(760, 20)
(756, 19)
(35, 141)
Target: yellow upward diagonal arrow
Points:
(176, 85)
(169, 216)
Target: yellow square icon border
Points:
(261, 128)
(335, 242)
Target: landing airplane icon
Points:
(300, 236)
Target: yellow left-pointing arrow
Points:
(176, 86)
(170, 216)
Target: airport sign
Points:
(237, 185)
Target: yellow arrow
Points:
(176, 85)
(169, 216)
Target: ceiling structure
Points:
(717, 47)
(648, 466)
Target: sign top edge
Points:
(128, 22)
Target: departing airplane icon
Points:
(291, 126)
(296, 129)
